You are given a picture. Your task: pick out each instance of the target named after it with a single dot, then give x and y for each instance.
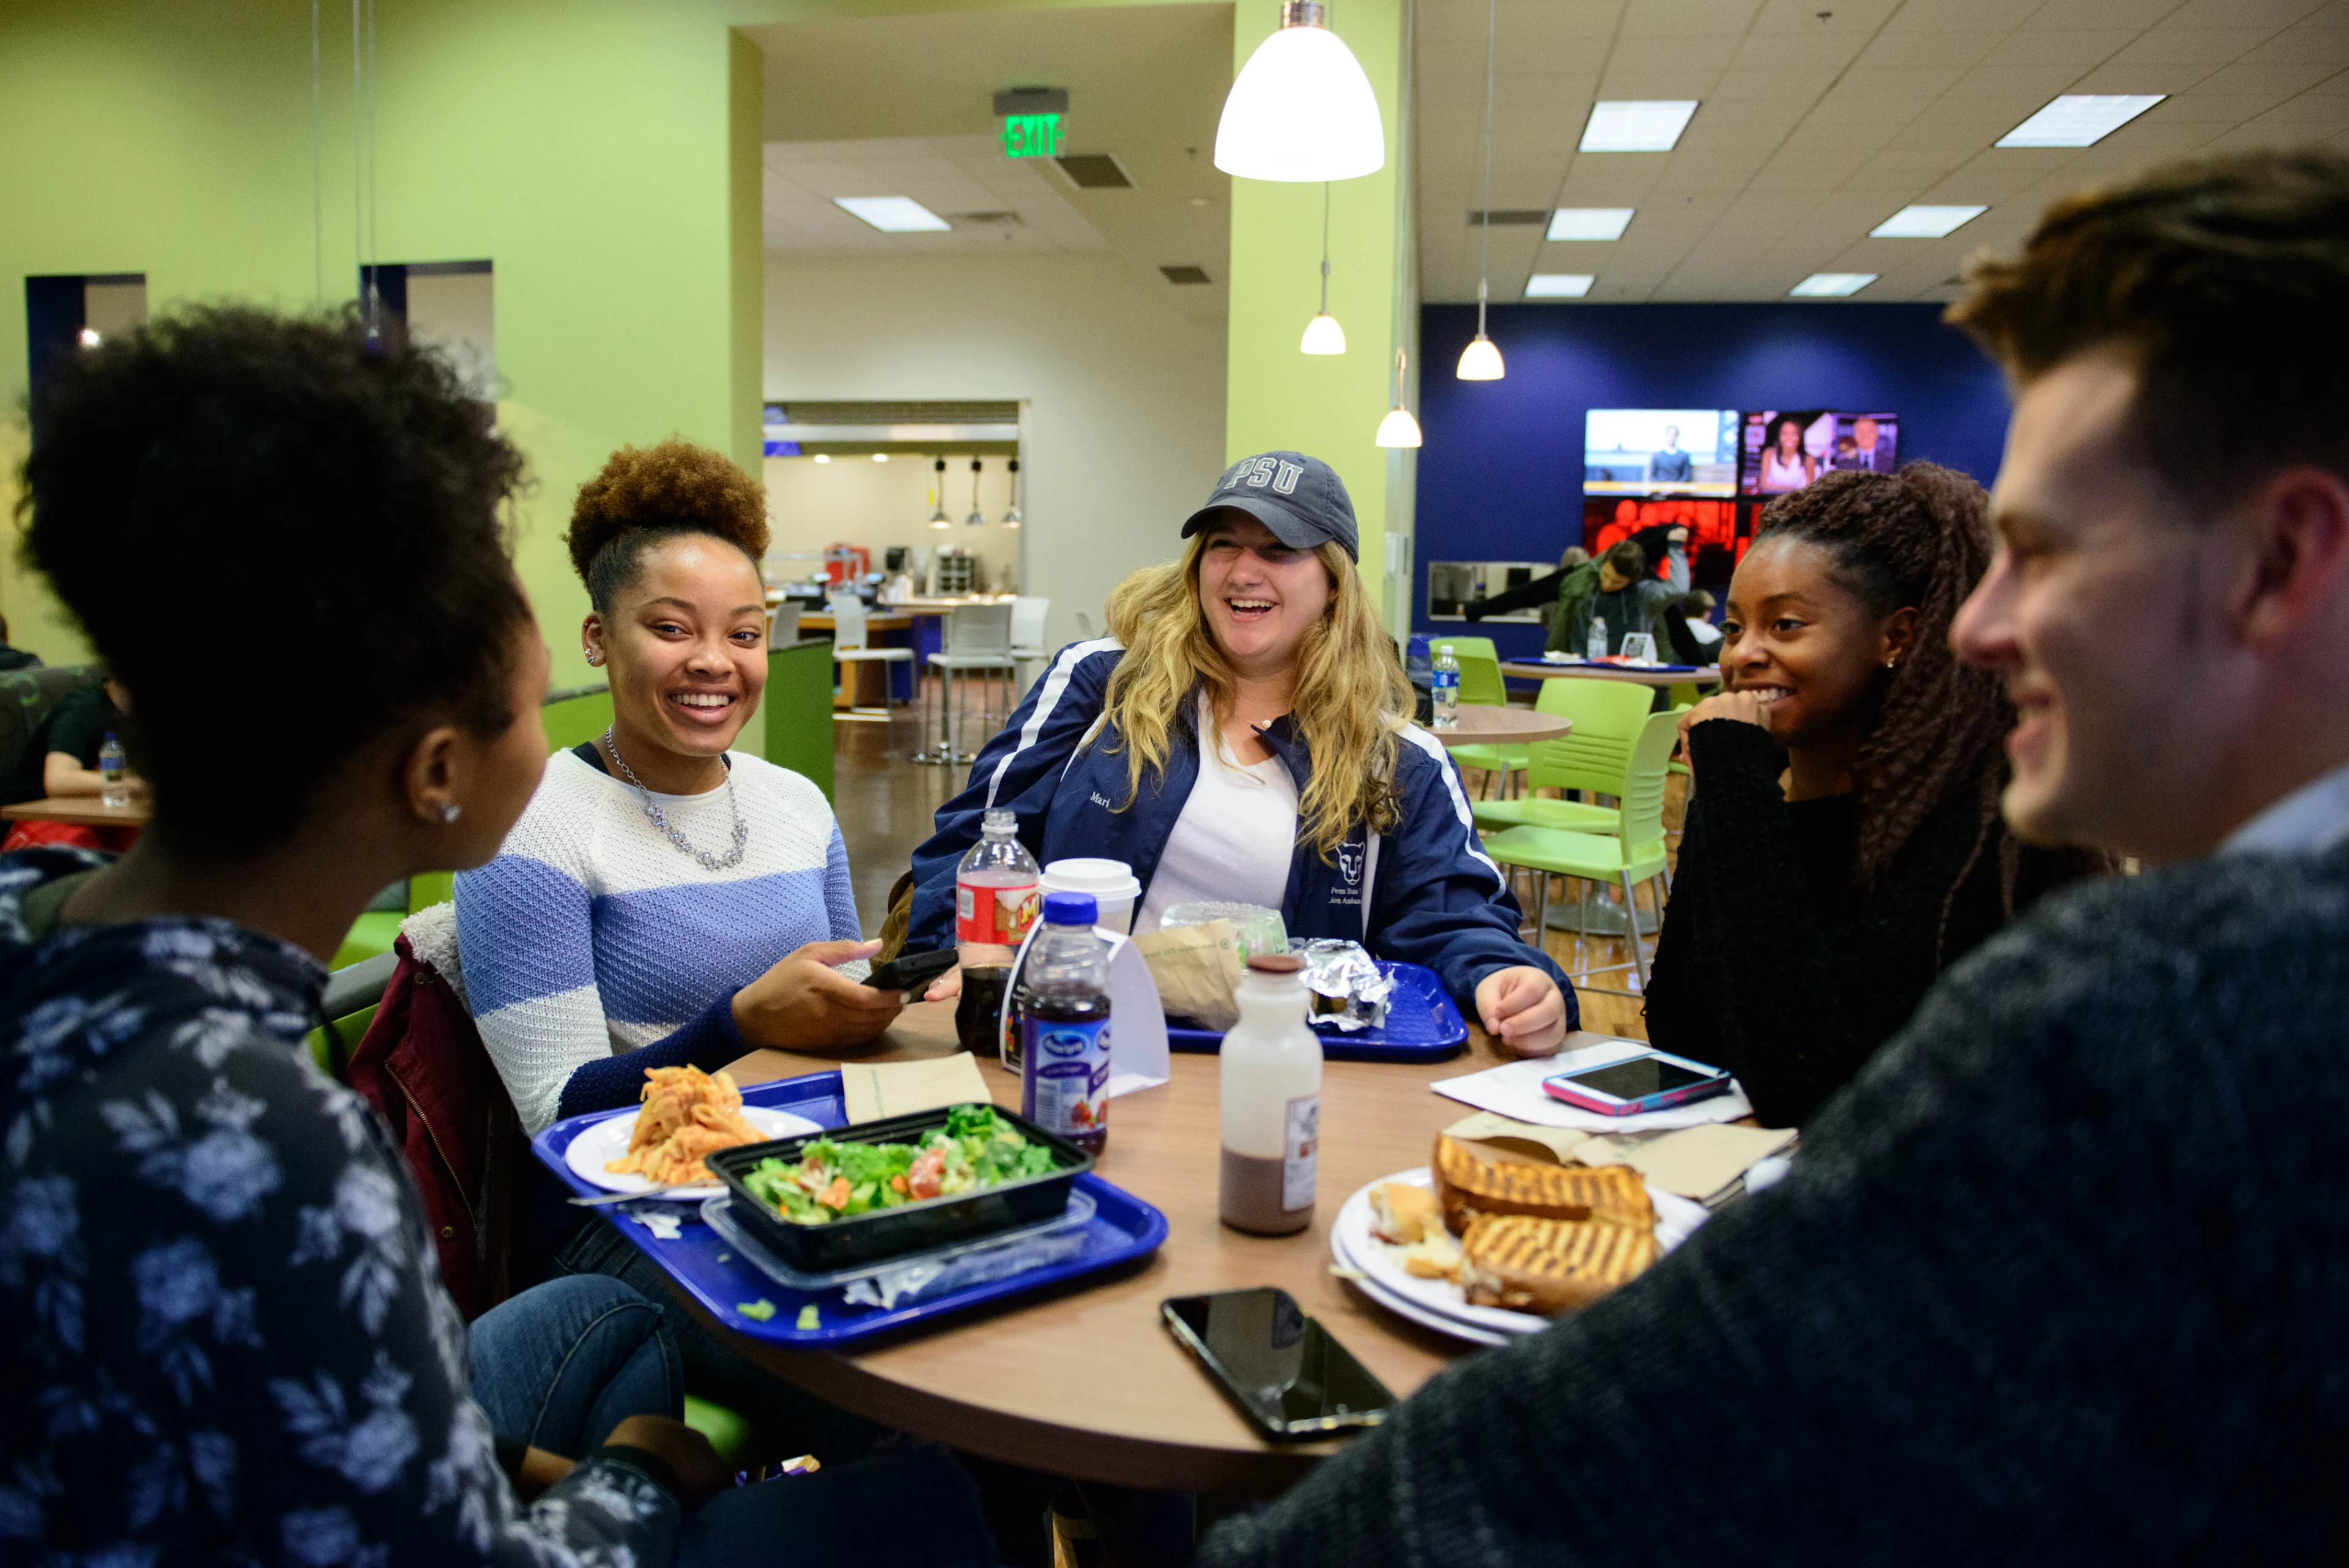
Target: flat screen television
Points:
(1659, 452)
(1719, 531)
(1785, 449)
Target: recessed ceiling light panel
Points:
(1831, 285)
(893, 215)
(1558, 285)
(1637, 125)
(1590, 223)
(1920, 223)
(2080, 118)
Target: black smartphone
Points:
(1285, 1371)
(907, 971)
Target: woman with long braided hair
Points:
(1843, 846)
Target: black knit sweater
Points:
(2060, 1278)
(1764, 911)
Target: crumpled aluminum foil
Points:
(1350, 992)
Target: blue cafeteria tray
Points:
(1422, 1026)
(1123, 1228)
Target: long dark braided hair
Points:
(1915, 538)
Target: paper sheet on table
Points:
(1701, 1162)
(1515, 1090)
(872, 1090)
(1138, 1055)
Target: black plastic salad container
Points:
(856, 1238)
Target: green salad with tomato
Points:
(833, 1177)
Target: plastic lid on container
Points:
(1070, 909)
(1084, 875)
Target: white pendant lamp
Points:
(1398, 428)
(1481, 360)
(1012, 519)
(1322, 333)
(938, 518)
(977, 519)
(1302, 108)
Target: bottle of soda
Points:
(1446, 690)
(114, 786)
(1598, 647)
(1063, 996)
(1271, 1112)
(995, 903)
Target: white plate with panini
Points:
(692, 1113)
(1504, 1245)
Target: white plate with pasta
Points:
(609, 1140)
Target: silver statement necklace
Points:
(725, 862)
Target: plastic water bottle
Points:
(1064, 1041)
(1597, 647)
(1446, 688)
(1272, 1111)
(1421, 671)
(114, 785)
(995, 903)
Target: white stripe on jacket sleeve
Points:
(1055, 687)
(1435, 749)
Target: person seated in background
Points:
(2056, 1279)
(1695, 639)
(230, 1342)
(1842, 842)
(1619, 588)
(1240, 735)
(67, 746)
(14, 657)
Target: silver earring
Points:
(451, 811)
(1891, 663)
(593, 657)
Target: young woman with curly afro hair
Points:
(1843, 844)
(665, 900)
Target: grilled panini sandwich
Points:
(1469, 1185)
(1549, 1266)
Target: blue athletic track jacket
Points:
(1425, 893)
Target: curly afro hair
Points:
(319, 527)
(646, 495)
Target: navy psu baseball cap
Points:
(1299, 498)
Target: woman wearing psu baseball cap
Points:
(1236, 737)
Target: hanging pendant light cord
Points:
(317, 165)
(1485, 264)
(1325, 247)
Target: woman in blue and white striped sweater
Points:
(664, 900)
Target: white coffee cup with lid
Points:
(1112, 884)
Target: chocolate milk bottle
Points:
(1271, 1102)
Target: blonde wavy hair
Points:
(1350, 700)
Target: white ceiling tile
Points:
(1979, 18)
(2063, 16)
(2191, 45)
(1688, 18)
(2269, 15)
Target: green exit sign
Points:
(1033, 135)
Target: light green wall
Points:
(593, 151)
(1327, 406)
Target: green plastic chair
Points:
(1635, 853)
(1608, 718)
(575, 715)
(728, 1432)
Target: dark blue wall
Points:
(1500, 478)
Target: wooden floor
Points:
(885, 804)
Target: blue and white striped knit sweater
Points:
(590, 936)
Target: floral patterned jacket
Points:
(227, 1336)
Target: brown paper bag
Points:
(1197, 969)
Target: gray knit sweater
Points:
(2063, 1276)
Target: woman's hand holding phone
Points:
(805, 1001)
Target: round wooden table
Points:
(1482, 724)
(1087, 1383)
(1530, 670)
(82, 811)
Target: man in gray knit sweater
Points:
(2063, 1275)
